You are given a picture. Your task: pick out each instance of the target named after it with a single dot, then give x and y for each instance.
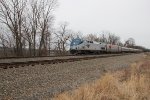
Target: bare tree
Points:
(11, 14)
(113, 39)
(31, 25)
(27, 36)
(37, 25)
(34, 23)
(45, 20)
(63, 35)
(92, 37)
(109, 37)
(130, 42)
(49, 41)
(3, 43)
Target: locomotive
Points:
(79, 46)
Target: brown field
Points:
(129, 84)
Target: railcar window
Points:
(91, 41)
(103, 48)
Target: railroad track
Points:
(34, 57)
(54, 61)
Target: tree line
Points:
(27, 25)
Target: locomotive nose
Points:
(73, 48)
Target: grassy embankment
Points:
(130, 84)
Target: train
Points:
(80, 46)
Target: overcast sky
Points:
(126, 18)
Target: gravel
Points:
(44, 81)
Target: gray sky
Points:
(126, 18)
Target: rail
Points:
(53, 61)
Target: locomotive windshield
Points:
(76, 42)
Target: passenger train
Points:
(79, 46)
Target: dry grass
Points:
(129, 84)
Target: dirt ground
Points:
(44, 81)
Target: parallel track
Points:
(53, 61)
